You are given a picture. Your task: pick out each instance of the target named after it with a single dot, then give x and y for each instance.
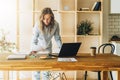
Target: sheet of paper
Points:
(16, 56)
(67, 59)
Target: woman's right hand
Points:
(33, 53)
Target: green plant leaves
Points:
(85, 27)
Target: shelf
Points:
(88, 35)
(88, 11)
(66, 11)
(79, 11)
(68, 36)
(37, 11)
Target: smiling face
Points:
(47, 19)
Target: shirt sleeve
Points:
(57, 36)
(34, 42)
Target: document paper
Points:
(67, 59)
(16, 57)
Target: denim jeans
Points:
(44, 75)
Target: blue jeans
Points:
(44, 75)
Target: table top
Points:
(104, 62)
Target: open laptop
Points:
(68, 50)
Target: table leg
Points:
(118, 75)
(104, 75)
(6, 75)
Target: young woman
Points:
(43, 31)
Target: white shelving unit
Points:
(71, 16)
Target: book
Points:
(96, 6)
(16, 57)
(93, 6)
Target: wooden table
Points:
(103, 62)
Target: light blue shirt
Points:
(42, 41)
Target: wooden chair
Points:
(102, 48)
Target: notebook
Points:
(16, 57)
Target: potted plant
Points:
(85, 27)
(6, 46)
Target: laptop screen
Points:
(69, 49)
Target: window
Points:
(15, 25)
(8, 19)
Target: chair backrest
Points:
(103, 46)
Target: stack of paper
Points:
(16, 56)
(67, 59)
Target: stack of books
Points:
(96, 6)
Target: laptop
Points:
(68, 50)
